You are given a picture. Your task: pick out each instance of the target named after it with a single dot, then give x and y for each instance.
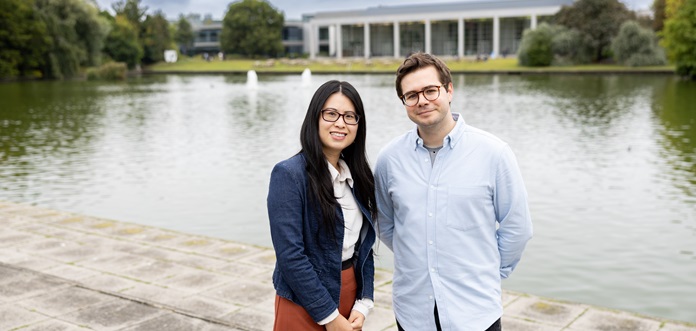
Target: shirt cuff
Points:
(364, 306)
(329, 319)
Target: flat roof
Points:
(444, 7)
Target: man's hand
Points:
(340, 323)
(356, 320)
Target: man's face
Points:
(426, 113)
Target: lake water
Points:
(609, 163)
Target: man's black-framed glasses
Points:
(430, 93)
(332, 115)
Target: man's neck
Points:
(434, 135)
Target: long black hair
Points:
(320, 184)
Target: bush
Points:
(637, 46)
(108, 71)
(570, 47)
(687, 70)
(535, 48)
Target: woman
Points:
(321, 204)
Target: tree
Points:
(679, 35)
(132, 11)
(598, 20)
(122, 43)
(252, 28)
(658, 8)
(23, 38)
(183, 34)
(77, 32)
(155, 37)
(637, 46)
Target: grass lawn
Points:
(380, 65)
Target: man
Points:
(452, 207)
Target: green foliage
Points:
(679, 36)
(536, 47)
(597, 20)
(637, 46)
(155, 37)
(658, 8)
(252, 28)
(77, 32)
(108, 71)
(569, 47)
(131, 10)
(23, 38)
(122, 42)
(183, 34)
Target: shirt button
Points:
(426, 160)
(430, 297)
(432, 187)
(430, 214)
(430, 242)
(432, 269)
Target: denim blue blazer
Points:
(308, 262)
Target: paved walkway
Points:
(61, 271)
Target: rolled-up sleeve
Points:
(385, 219)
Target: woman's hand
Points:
(340, 323)
(356, 320)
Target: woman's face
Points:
(336, 136)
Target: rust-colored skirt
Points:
(290, 316)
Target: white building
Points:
(456, 29)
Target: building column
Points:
(332, 40)
(397, 40)
(313, 41)
(496, 37)
(366, 31)
(339, 42)
(428, 37)
(460, 38)
(534, 22)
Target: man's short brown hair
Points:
(420, 60)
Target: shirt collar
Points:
(343, 176)
(451, 138)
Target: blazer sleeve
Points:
(285, 212)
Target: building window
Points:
(292, 33)
(412, 38)
(478, 37)
(443, 36)
(353, 37)
(324, 33)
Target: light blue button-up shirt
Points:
(456, 227)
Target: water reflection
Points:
(674, 106)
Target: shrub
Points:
(108, 71)
(535, 48)
(637, 46)
(570, 47)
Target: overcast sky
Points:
(293, 9)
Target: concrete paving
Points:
(62, 272)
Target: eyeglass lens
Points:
(430, 93)
(331, 115)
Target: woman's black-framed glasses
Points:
(430, 93)
(332, 115)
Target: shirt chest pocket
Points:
(469, 207)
